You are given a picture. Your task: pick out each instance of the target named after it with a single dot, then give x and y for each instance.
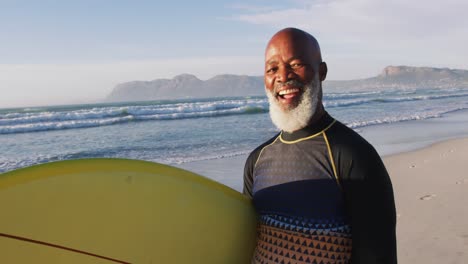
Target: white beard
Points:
(298, 117)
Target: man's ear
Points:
(323, 71)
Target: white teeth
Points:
(288, 91)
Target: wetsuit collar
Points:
(314, 128)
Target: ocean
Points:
(182, 131)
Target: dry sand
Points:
(431, 193)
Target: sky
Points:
(68, 52)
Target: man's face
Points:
(298, 117)
(289, 66)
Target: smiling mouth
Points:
(288, 93)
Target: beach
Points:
(425, 160)
(431, 195)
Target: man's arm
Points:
(369, 200)
(248, 176)
(371, 207)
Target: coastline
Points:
(407, 136)
(388, 139)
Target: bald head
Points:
(298, 40)
(293, 54)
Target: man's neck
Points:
(317, 116)
(320, 121)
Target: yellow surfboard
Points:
(121, 211)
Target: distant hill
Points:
(405, 77)
(188, 86)
(227, 85)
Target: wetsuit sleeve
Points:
(369, 199)
(371, 207)
(248, 175)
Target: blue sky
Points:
(59, 52)
(87, 31)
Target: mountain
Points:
(227, 85)
(405, 77)
(188, 86)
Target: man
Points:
(322, 192)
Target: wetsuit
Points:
(323, 196)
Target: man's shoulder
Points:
(355, 156)
(264, 144)
(256, 152)
(348, 140)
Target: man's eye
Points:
(272, 70)
(296, 65)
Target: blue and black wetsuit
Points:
(323, 196)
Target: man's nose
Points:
(284, 74)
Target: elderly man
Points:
(322, 192)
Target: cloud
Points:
(413, 32)
(252, 8)
(368, 17)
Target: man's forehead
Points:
(292, 43)
(287, 51)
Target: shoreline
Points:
(388, 139)
(401, 137)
